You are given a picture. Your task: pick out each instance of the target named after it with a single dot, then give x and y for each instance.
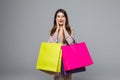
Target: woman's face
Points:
(60, 18)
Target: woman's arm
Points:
(54, 37)
(68, 37)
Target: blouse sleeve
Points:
(68, 37)
(54, 37)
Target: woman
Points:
(61, 32)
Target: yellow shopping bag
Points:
(49, 57)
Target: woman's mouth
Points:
(61, 21)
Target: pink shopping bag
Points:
(75, 56)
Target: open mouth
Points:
(60, 21)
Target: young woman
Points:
(61, 32)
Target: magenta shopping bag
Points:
(76, 56)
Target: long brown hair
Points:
(67, 26)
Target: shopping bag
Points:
(63, 72)
(76, 56)
(49, 58)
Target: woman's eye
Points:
(58, 16)
(61, 16)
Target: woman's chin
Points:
(60, 24)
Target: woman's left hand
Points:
(64, 24)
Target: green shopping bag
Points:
(49, 57)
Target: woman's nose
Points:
(61, 18)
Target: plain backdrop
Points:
(24, 24)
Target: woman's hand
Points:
(58, 27)
(64, 24)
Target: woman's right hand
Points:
(58, 27)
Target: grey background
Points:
(24, 24)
